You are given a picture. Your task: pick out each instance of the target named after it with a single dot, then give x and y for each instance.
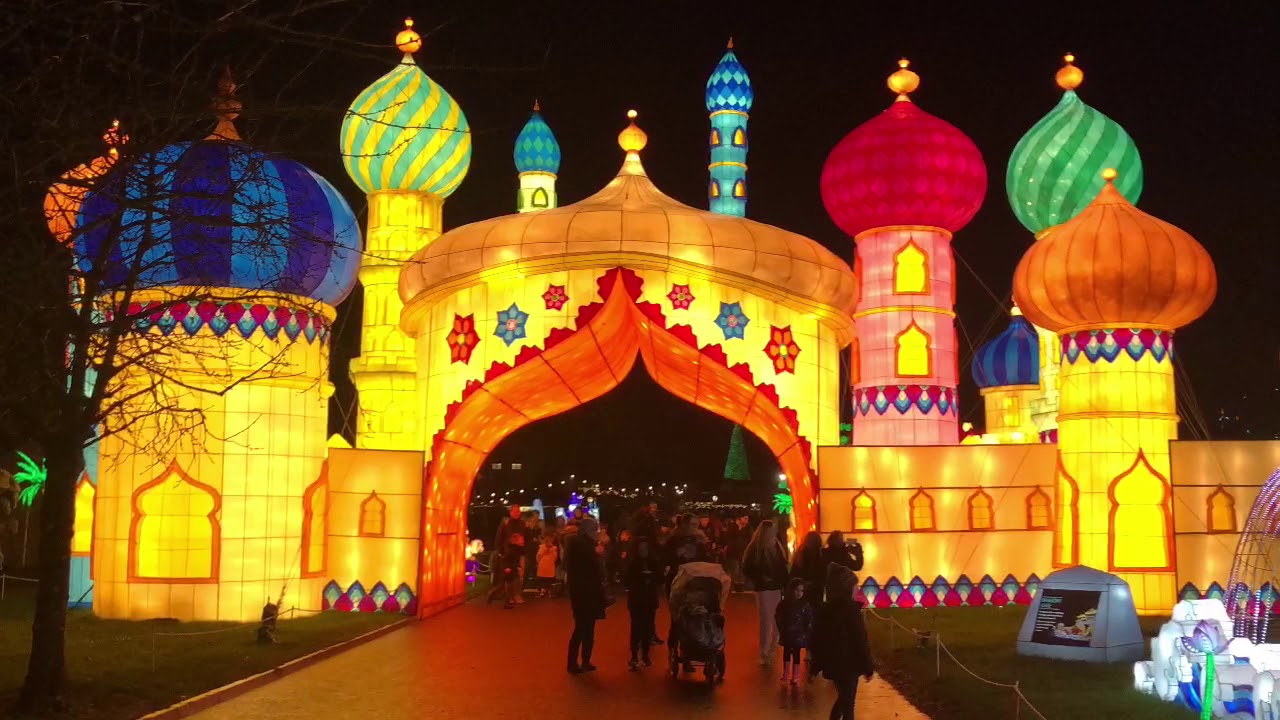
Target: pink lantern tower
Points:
(901, 183)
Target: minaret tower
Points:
(407, 145)
(900, 184)
(1115, 283)
(729, 98)
(1007, 371)
(537, 158)
(1054, 172)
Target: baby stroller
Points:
(698, 594)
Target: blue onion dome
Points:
(729, 88)
(217, 213)
(404, 132)
(536, 147)
(1011, 358)
(1056, 168)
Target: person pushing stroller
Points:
(698, 595)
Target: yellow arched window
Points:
(922, 511)
(539, 198)
(82, 539)
(175, 535)
(1039, 510)
(981, 516)
(315, 525)
(740, 137)
(373, 516)
(1221, 511)
(715, 189)
(1140, 532)
(914, 356)
(864, 511)
(715, 136)
(911, 270)
(740, 189)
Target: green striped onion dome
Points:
(404, 132)
(1056, 168)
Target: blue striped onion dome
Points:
(1011, 358)
(729, 87)
(536, 147)
(217, 213)
(1056, 168)
(404, 132)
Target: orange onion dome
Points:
(62, 202)
(1114, 266)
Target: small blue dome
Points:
(729, 88)
(1011, 358)
(217, 213)
(536, 147)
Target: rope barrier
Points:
(941, 647)
(202, 633)
(5, 578)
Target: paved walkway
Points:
(479, 662)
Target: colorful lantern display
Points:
(537, 157)
(900, 184)
(729, 98)
(1007, 371)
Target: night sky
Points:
(1196, 90)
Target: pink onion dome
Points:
(903, 167)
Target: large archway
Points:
(574, 367)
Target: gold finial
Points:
(408, 40)
(114, 139)
(1109, 174)
(632, 139)
(904, 82)
(730, 42)
(1015, 311)
(227, 108)
(1069, 76)
(536, 106)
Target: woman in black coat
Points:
(841, 651)
(586, 593)
(810, 566)
(838, 552)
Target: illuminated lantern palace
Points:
(729, 97)
(537, 157)
(406, 144)
(900, 184)
(1007, 372)
(235, 258)
(1116, 314)
(1054, 172)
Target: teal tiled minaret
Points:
(537, 158)
(729, 97)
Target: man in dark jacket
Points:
(586, 593)
(838, 552)
(841, 651)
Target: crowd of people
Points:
(805, 603)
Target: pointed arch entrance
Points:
(574, 367)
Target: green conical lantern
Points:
(1056, 168)
(736, 467)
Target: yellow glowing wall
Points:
(368, 487)
(949, 477)
(259, 446)
(82, 538)
(1044, 406)
(1008, 414)
(385, 375)
(1115, 421)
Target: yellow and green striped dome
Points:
(404, 132)
(1056, 168)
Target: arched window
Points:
(539, 199)
(1039, 510)
(315, 525)
(82, 539)
(175, 535)
(922, 511)
(1140, 531)
(981, 516)
(864, 511)
(740, 137)
(715, 136)
(373, 516)
(914, 357)
(1221, 514)
(911, 270)
(714, 190)
(740, 189)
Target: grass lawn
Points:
(985, 639)
(110, 661)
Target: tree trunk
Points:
(46, 669)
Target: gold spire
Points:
(227, 108)
(730, 42)
(114, 139)
(632, 139)
(537, 107)
(408, 40)
(904, 82)
(1110, 174)
(1069, 76)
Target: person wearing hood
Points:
(586, 593)
(841, 650)
(838, 552)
